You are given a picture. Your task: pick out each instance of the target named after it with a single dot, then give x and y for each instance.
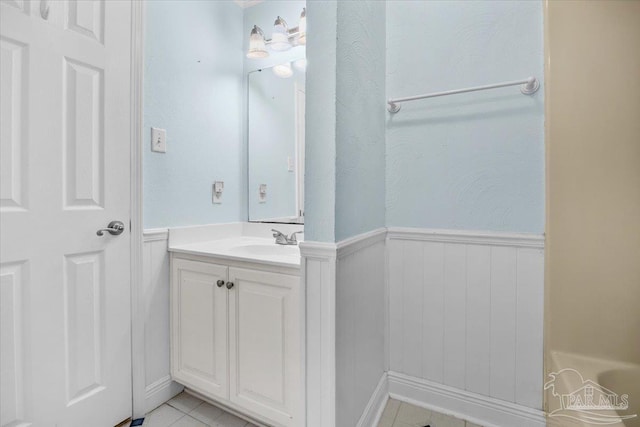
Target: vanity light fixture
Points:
(283, 70)
(282, 38)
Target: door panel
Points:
(83, 142)
(13, 283)
(199, 326)
(265, 343)
(64, 150)
(13, 154)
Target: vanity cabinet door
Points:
(264, 354)
(199, 322)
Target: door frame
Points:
(136, 226)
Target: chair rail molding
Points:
(522, 240)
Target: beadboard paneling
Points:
(360, 325)
(155, 294)
(319, 282)
(467, 311)
(345, 329)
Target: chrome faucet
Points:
(282, 239)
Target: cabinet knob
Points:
(229, 285)
(220, 283)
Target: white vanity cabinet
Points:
(236, 335)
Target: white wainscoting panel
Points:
(155, 294)
(345, 315)
(360, 324)
(319, 283)
(466, 311)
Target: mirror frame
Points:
(299, 154)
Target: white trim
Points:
(523, 240)
(387, 309)
(155, 234)
(473, 407)
(318, 250)
(137, 299)
(320, 333)
(359, 242)
(326, 250)
(375, 407)
(160, 391)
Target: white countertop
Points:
(244, 248)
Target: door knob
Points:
(220, 283)
(229, 285)
(115, 228)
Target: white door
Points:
(264, 356)
(65, 144)
(199, 351)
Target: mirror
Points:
(276, 109)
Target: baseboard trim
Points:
(494, 238)
(160, 391)
(476, 408)
(373, 411)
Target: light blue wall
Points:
(320, 121)
(193, 89)
(345, 133)
(473, 161)
(360, 115)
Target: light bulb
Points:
(283, 70)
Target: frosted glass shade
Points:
(257, 48)
(283, 70)
(280, 36)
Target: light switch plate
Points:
(216, 189)
(158, 140)
(262, 193)
(290, 164)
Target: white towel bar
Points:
(527, 87)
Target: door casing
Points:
(137, 301)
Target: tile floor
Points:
(400, 414)
(185, 410)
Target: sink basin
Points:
(273, 249)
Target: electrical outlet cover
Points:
(216, 192)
